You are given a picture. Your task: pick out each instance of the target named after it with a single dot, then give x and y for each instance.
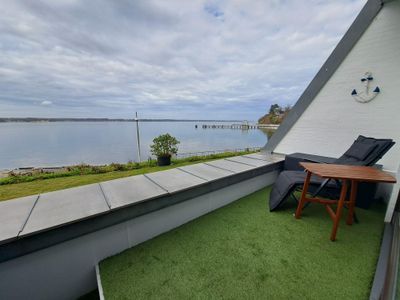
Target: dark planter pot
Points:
(164, 160)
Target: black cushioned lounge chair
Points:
(365, 151)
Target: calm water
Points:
(68, 143)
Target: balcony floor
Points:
(244, 251)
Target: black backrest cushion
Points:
(359, 150)
(365, 151)
(383, 145)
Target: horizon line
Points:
(81, 119)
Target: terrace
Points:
(202, 230)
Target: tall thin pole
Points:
(138, 136)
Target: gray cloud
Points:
(183, 59)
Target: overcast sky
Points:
(164, 59)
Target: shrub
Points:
(164, 145)
(117, 167)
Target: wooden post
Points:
(339, 209)
(303, 195)
(138, 136)
(352, 203)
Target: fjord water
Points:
(68, 143)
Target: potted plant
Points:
(164, 146)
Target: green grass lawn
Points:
(37, 186)
(243, 251)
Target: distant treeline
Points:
(103, 120)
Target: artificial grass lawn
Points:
(10, 191)
(242, 251)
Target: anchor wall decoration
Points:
(366, 95)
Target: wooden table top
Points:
(359, 173)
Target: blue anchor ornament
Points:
(366, 95)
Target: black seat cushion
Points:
(288, 181)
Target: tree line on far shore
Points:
(275, 115)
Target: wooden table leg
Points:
(340, 204)
(352, 202)
(303, 195)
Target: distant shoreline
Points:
(37, 120)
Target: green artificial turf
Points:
(243, 251)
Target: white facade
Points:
(334, 119)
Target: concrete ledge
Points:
(15, 216)
(60, 263)
(60, 216)
(56, 208)
(385, 279)
(382, 265)
(99, 285)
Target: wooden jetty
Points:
(242, 126)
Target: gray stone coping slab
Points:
(61, 207)
(258, 156)
(267, 157)
(175, 180)
(206, 172)
(129, 190)
(230, 165)
(13, 215)
(276, 157)
(249, 161)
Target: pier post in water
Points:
(138, 136)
